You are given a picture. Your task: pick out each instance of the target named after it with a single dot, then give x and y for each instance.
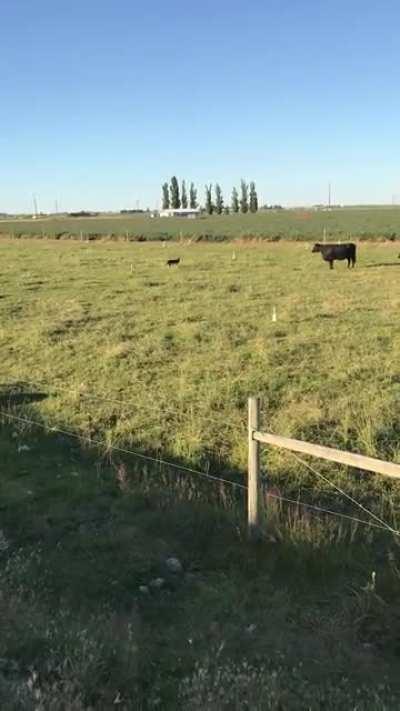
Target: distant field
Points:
(113, 345)
(355, 223)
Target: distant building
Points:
(181, 212)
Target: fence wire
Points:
(354, 501)
(122, 450)
(382, 525)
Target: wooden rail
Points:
(256, 438)
(367, 464)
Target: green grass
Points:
(163, 360)
(292, 624)
(183, 348)
(356, 223)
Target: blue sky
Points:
(100, 102)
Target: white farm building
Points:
(181, 212)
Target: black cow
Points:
(330, 252)
(170, 262)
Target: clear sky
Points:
(102, 100)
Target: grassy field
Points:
(113, 345)
(381, 223)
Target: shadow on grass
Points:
(75, 482)
(90, 530)
(382, 264)
(14, 394)
(103, 524)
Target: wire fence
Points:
(329, 512)
(114, 448)
(341, 491)
(377, 523)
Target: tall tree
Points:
(193, 197)
(184, 199)
(174, 192)
(209, 202)
(244, 198)
(165, 196)
(235, 201)
(219, 200)
(253, 198)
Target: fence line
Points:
(103, 398)
(358, 461)
(179, 467)
(255, 438)
(123, 450)
(321, 509)
(344, 493)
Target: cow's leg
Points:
(348, 262)
(331, 264)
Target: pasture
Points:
(374, 223)
(115, 346)
(182, 348)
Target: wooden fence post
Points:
(254, 469)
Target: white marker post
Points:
(274, 316)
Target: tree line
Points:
(175, 198)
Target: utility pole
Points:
(35, 207)
(329, 196)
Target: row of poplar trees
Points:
(173, 197)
